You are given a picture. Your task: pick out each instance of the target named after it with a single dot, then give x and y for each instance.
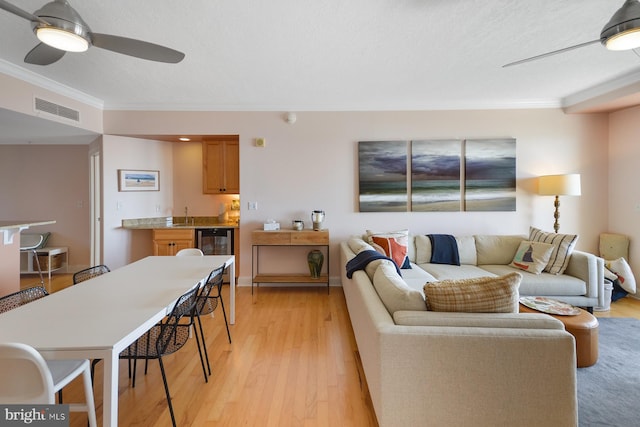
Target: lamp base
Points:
(556, 214)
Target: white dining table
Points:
(100, 317)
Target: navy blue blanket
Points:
(360, 261)
(444, 249)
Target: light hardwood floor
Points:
(292, 363)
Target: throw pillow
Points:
(625, 275)
(393, 290)
(393, 244)
(532, 256)
(563, 245)
(479, 295)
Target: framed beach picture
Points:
(383, 176)
(138, 180)
(490, 175)
(435, 175)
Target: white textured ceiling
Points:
(295, 55)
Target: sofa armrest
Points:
(521, 374)
(589, 268)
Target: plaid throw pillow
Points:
(563, 245)
(479, 295)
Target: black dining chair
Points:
(88, 273)
(210, 303)
(24, 296)
(165, 338)
(207, 303)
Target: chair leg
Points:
(204, 344)
(166, 389)
(35, 257)
(226, 323)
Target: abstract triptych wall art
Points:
(490, 175)
(383, 176)
(439, 175)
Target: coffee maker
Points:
(317, 217)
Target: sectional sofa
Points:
(454, 368)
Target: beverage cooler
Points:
(215, 241)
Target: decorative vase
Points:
(315, 258)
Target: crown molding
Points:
(617, 93)
(30, 77)
(448, 106)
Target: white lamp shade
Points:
(559, 185)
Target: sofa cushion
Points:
(357, 245)
(480, 295)
(494, 249)
(394, 244)
(625, 276)
(543, 284)
(394, 293)
(466, 249)
(532, 256)
(416, 278)
(445, 271)
(563, 244)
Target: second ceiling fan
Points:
(622, 32)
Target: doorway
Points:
(96, 209)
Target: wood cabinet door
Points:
(221, 167)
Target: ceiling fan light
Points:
(625, 40)
(62, 39)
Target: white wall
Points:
(312, 164)
(623, 203)
(122, 246)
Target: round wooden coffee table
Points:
(584, 328)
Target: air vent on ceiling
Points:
(57, 110)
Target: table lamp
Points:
(559, 185)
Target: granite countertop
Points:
(176, 222)
(9, 224)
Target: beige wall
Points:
(623, 201)
(312, 164)
(18, 95)
(49, 182)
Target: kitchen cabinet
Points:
(221, 166)
(170, 241)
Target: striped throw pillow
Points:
(479, 295)
(563, 245)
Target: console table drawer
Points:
(309, 237)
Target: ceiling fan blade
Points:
(555, 52)
(137, 48)
(43, 54)
(21, 13)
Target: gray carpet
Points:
(609, 391)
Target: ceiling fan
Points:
(622, 32)
(61, 29)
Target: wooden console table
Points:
(261, 238)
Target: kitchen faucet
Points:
(186, 215)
